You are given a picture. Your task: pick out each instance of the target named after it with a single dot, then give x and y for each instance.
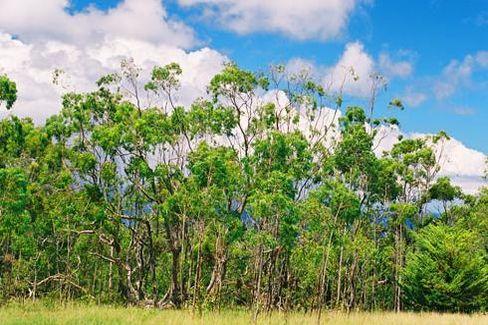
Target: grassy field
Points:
(78, 314)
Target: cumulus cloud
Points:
(353, 70)
(90, 43)
(351, 74)
(306, 19)
(463, 165)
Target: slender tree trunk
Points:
(175, 283)
(198, 271)
(323, 275)
(257, 293)
(339, 273)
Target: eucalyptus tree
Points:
(8, 91)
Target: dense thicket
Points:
(254, 196)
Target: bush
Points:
(447, 271)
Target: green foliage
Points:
(447, 271)
(443, 190)
(341, 201)
(233, 80)
(8, 91)
(164, 78)
(396, 103)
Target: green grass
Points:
(81, 314)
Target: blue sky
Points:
(430, 34)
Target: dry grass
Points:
(80, 314)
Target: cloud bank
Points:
(302, 20)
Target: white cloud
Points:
(354, 68)
(463, 165)
(301, 66)
(89, 44)
(351, 74)
(481, 59)
(458, 160)
(413, 98)
(455, 76)
(463, 110)
(458, 74)
(305, 19)
(391, 68)
(386, 138)
(34, 20)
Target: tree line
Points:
(254, 196)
